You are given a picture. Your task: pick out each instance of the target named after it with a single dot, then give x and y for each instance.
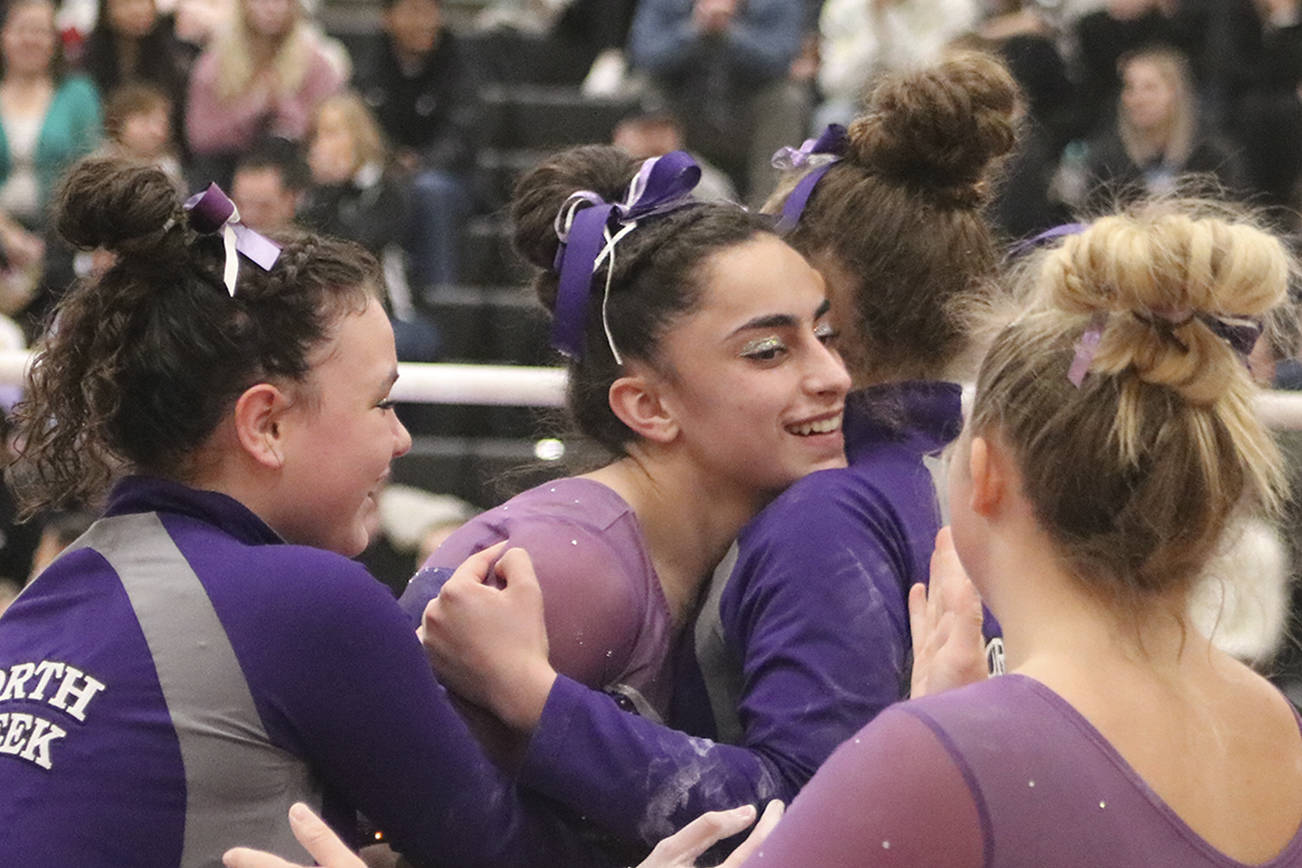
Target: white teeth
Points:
(823, 426)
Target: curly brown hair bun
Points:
(95, 208)
(940, 128)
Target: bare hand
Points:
(945, 620)
(315, 836)
(489, 644)
(684, 847)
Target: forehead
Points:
(358, 351)
(759, 277)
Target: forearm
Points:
(638, 780)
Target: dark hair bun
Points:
(940, 128)
(112, 202)
(542, 191)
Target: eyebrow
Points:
(779, 320)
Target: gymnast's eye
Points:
(764, 349)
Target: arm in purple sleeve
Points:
(352, 687)
(664, 39)
(893, 795)
(815, 611)
(765, 37)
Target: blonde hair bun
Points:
(1174, 271)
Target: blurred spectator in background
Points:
(1266, 102)
(1022, 34)
(1121, 27)
(47, 120)
(263, 76)
(353, 195)
(268, 185)
(417, 79)
(559, 42)
(138, 124)
(1157, 136)
(723, 66)
(132, 43)
(863, 38)
(652, 130)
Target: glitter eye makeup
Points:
(764, 348)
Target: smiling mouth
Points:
(818, 426)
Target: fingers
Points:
(516, 571)
(320, 840)
(689, 842)
(773, 812)
(243, 857)
(918, 612)
(315, 836)
(478, 567)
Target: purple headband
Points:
(832, 142)
(663, 184)
(213, 211)
(1029, 244)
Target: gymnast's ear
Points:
(989, 471)
(638, 399)
(260, 424)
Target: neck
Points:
(1056, 630)
(688, 524)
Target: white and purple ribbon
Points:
(213, 211)
(589, 234)
(833, 143)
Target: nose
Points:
(826, 373)
(401, 437)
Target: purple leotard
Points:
(608, 624)
(1002, 774)
(180, 676)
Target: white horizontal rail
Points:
(518, 386)
(508, 385)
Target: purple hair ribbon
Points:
(832, 143)
(662, 184)
(213, 211)
(1241, 333)
(1086, 348)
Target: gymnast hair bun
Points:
(940, 128)
(119, 205)
(541, 192)
(1170, 270)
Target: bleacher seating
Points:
(485, 453)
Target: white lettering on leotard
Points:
(84, 692)
(27, 735)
